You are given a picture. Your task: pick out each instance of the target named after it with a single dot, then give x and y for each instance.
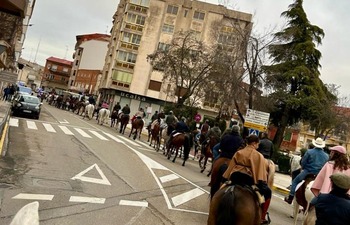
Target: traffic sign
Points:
(253, 132)
(257, 119)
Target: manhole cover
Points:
(58, 184)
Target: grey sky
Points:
(56, 24)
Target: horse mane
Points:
(226, 206)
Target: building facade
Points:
(140, 27)
(89, 58)
(30, 73)
(56, 75)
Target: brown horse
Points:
(176, 143)
(207, 153)
(114, 118)
(124, 120)
(235, 205)
(219, 167)
(155, 136)
(136, 128)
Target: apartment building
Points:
(89, 59)
(140, 27)
(56, 74)
(30, 73)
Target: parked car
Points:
(25, 104)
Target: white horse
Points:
(308, 196)
(89, 111)
(103, 115)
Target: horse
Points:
(155, 136)
(89, 110)
(164, 136)
(303, 197)
(136, 128)
(235, 204)
(207, 153)
(124, 120)
(114, 118)
(103, 114)
(176, 143)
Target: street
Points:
(84, 173)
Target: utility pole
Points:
(37, 48)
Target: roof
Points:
(58, 60)
(95, 36)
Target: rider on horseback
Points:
(180, 127)
(250, 162)
(126, 110)
(170, 120)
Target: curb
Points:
(280, 189)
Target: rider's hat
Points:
(341, 180)
(319, 143)
(339, 149)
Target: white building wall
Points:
(94, 53)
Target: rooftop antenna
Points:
(37, 48)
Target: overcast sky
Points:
(56, 24)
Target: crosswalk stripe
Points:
(113, 138)
(49, 127)
(83, 133)
(33, 197)
(13, 122)
(144, 144)
(187, 196)
(98, 135)
(31, 125)
(131, 142)
(87, 199)
(168, 178)
(65, 130)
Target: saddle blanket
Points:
(178, 133)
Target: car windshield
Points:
(30, 99)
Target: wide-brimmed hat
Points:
(341, 180)
(339, 149)
(319, 143)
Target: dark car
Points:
(25, 104)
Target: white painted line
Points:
(64, 121)
(103, 179)
(49, 127)
(113, 138)
(129, 141)
(144, 144)
(87, 199)
(13, 122)
(134, 203)
(187, 196)
(98, 135)
(31, 125)
(34, 197)
(83, 133)
(168, 178)
(65, 130)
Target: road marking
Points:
(98, 135)
(64, 121)
(87, 199)
(103, 179)
(168, 178)
(129, 141)
(134, 203)
(144, 144)
(65, 130)
(34, 197)
(113, 138)
(83, 133)
(49, 127)
(31, 125)
(187, 196)
(13, 122)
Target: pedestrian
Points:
(311, 163)
(6, 93)
(265, 146)
(334, 207)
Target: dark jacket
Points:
(215, 132)
(92, 100)
(126, 110)
(332, 209)
(266, 148)
(229, 144)
(117, 107)
(181, 127)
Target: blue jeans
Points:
(297, 180)
(216, 151)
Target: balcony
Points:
(14, 7)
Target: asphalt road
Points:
(84, 173)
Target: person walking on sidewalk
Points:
(265, 146)
(311, 163)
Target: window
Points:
(74, 72)
(79, 52)
(168, 28)
(54, 67)
(138, 9)
(163, 46)
(185, 13)
(154, 85)
(65, 69)
(126, 57)
(137, 19)
(198, 15)
(77, 62)
(122, 77)
(226, 39)
(140, 2)
(131, 38)
(172, 9)
(63, 79)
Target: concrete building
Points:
(140, 27)
(56, 75)
(30, 73)
(89, 58)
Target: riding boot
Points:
(265, 207)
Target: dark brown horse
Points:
(219, 167)
(155, 136)
(124, 120)
(207, 153)
(136, 128)
(114, 118)
(235, 205)
(176, 143)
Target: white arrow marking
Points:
(103, 179)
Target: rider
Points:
(265, 146)
(338, 163)
(180, 127)
(170, 120)
(251, 162)
(334, 208)
(213, 132)
(92, 100)
(117, 107)
(204, 129)
(311, 163)
(126, 110)
(140, 114)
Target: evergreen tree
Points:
(299, 93)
